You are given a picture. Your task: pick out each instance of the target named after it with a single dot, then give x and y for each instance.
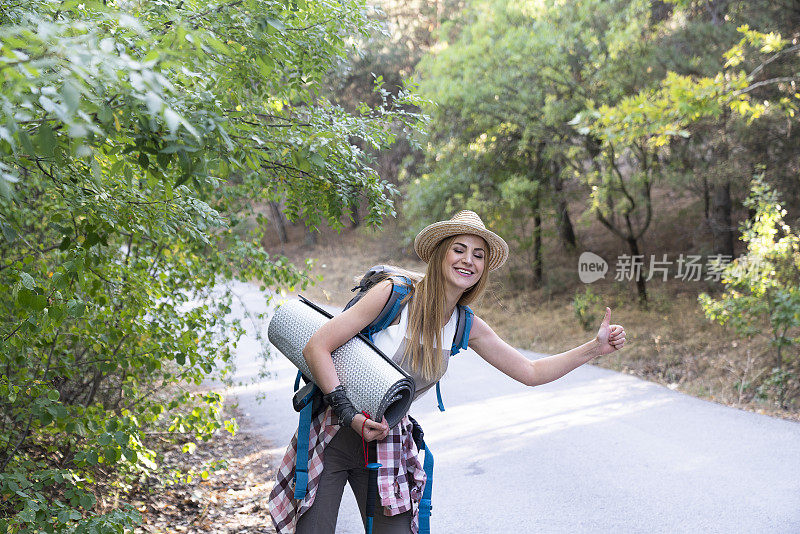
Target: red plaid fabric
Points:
(401, 479)
(283, 508)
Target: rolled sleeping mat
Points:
(374, 383)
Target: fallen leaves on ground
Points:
(231, 500)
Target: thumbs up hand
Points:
(611, 337)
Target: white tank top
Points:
(392, 339)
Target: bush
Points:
(762, 295)
(586, 306)
(131, 141)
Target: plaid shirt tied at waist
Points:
(401, 477)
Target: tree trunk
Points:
(721, 225)
(717, 9)
(641, 286)
(277, 220)
(565, 230)
(721, 228)
(537, 241)
(355, 217)
(311, 237)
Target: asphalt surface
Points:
(596, 451)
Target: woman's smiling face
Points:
(465, 261)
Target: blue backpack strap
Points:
(463, 326)
(391, 308)
(301, 460)
(425, 505)
(297, 380)
(460, 342)
(439, 397)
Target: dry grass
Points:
(670, 343)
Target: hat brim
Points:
(433, 234)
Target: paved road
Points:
(596, 451)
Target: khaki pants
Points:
(344, 462)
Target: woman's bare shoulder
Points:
(479, 329)
(350, 322)
(371, 304)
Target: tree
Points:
(565, 97)
(388, 57)
(653, 119)
(506, 87)
(667, 112)
(132, 144)
(762, 295)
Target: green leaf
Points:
(5, 190)
(104, 114)
(38, 302)
(27, 280)
(104, 439)
(25, 141)
(76, 308)
(70, 96)
(317, 160)
(27, 515)
(121, 437)
(91, 239)
(46, 140)
(5, 135)
(277, 24)
(55, 312)
(25, 297)
(112, 454)
(131, 455)
(172, 119)
(63, 516)
(117, 167)
(53, 395)
(87, 501)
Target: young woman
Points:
(459, 253)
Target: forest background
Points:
(151, 151)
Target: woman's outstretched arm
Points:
(536, 372)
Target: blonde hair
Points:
(426, 314)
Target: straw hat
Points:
(463, 222)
